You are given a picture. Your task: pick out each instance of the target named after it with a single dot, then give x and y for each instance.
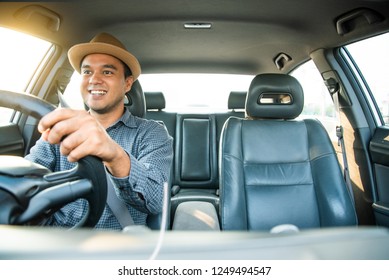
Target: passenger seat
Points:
(276, 170)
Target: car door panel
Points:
(11, 140)
(379, 150)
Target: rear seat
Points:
(196, 140)
(195, 165)
(236, 108)
(155, 105)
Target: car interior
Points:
(261, 178)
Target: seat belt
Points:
(339, 134)
(118, 207)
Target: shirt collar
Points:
(127, 119)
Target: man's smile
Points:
(98, 92)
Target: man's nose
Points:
(95, 78)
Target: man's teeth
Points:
(98, 92)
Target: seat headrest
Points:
(237, 100)
(155, 100)
(274, 96)
(135, 101)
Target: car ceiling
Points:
(245, 36)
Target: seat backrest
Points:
(195, 153)
(135, 100)
(277, 170)
(194, 176)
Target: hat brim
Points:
(77, 53)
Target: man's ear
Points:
(129, 81)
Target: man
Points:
(137, 153)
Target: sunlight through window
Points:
(20, 55)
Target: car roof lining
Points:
(161, 43)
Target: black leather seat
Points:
(155, 110)
(136, 103)
(277, 170)
(236, 103)
(195, 168)
(135, 100)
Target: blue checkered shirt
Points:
(151, 152)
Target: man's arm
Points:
(151, 162)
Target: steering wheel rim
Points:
(89, 166)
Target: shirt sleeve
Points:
(44, 154)
(151, 160)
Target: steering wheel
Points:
(29, 190)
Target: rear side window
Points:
(20, 56)
(317, 100)
(371, 59)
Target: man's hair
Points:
(127, 70)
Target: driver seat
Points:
(136, 103)
(276, 170)
(135, 100)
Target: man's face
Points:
(103, 84)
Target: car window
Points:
(20, 55)
(209, 92)
(317, 100)
(204, 93)
(72, 93)
(196, 92)
(373, 66)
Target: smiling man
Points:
(136, 152)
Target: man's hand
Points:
(79, 134)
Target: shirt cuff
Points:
(128, 188)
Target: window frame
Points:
(367, 97)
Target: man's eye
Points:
(107, 72)
(86, 72)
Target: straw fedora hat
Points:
(104, 43)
